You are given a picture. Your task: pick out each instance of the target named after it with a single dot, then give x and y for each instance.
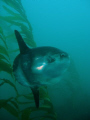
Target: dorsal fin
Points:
(22, 46)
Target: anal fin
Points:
(35, 92)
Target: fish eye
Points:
(62, 55)
(50, 59)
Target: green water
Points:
(64, 24)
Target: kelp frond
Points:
(16, 18)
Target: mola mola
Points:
(38, 66)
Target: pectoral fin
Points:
(35, 92)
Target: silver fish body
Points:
(38, 66)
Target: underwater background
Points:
(64, 24)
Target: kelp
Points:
(10, 83)
(16, 17)
(6, 104)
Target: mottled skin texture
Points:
(38, 66)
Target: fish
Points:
(39, 66)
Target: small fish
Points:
(38, 66)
